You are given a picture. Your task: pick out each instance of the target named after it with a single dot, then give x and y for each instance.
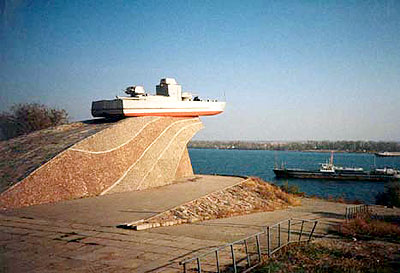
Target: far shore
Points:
(304, 151)
(324, 146)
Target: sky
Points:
(289, 70)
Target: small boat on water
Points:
(329, 171)
(388, 154)
(168, 101)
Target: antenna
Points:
(224, 96)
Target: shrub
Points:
(292, 189)
(367, 227)
(29, 117)
(390, 197)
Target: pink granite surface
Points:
(107, 160)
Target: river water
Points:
(261, 163)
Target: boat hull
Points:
(162, 107)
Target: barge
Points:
(330, 171)
(388, 154)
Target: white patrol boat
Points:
(168, 101)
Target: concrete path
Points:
(81, 235)
(34, 245)
(119, 208)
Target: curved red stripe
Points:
(174, 114)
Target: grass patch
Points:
(369, 228)
(336, 199)
(335, 256)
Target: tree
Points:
(391, 196)
(29, 117)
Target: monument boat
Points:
(168, 101)
(329, 171)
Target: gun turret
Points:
(135, 91)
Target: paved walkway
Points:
(118, 208)
(30, 245)
(81, 235)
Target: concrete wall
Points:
(134, 154)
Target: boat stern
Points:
(107, 108)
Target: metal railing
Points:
(356, 211)
(245, 254)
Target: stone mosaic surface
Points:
(132, 154)
(20, 156)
